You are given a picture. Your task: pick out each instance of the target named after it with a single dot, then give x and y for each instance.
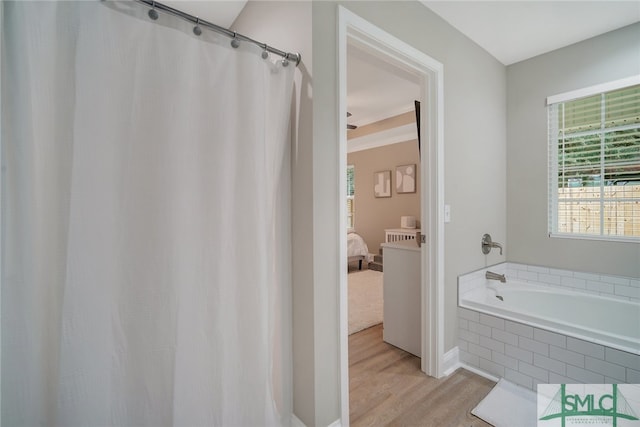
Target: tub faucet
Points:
(490, 275)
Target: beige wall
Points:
(373, 215)
(612, 56)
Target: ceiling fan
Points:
(350, 127)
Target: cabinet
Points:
(402, 295)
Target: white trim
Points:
(382, 116)
(336, 423)
(604, 238)
(386, 137)
(593, 90)
(430, 73)
(295, 421)
(480, 372)
(451, 361)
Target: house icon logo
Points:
(587, 404)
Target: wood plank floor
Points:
(387, 388)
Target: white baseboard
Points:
(479, 372)
(450, 361)
(336, 423)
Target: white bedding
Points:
(356, 246)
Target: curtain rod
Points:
(232, 34)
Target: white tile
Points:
(616, 280)
(469, 359)
(605, 368)
(468, 336)
(491, 344)
(627, 291)
(528, 275)
(492, 368)
(633, 376)
(479, 351)
(537, 269)
(533, 371)
(535, 346)
(634, 283)
(504, 360)
(586, 348)
(550, 338)
(558, 272)
(518, 378)
(552, 279)
(516, 266)
(518, 353)
(549, 364)
(559, 379)
(584, 376)
(494, 322)
(463, 324)
(505, 337)
(567, 356)
(518, 329)
(622, 358)
(601, 287)
(480, 329)
(572, 282)
(586, 276)
(462, 345)
(468, 314)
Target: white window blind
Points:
(351, 192)
(594, 165)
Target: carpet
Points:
(508, 405)
(365, 299)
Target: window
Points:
(350, 197)
(594, 162)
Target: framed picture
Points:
(382, 184)
(406, 179)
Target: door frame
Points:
(352, 27)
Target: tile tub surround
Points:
(620, 287)
(530, 356)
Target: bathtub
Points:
(609, 322)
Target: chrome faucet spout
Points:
(490, 275)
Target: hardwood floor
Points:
(387, 388)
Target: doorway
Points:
(356, 31)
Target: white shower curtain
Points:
(145, 203)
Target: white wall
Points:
(612, 56)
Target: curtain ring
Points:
(197, 30)
(152, 12)
(234, 41)
(265, 52)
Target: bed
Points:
(357, 249)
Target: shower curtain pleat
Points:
(145, 197)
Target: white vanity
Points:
(402, 295)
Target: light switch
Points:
(447, 213)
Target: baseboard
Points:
(480, 372)
(450, 361)
(336, 423)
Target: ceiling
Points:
(513, 31)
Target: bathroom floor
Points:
(386, 387)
